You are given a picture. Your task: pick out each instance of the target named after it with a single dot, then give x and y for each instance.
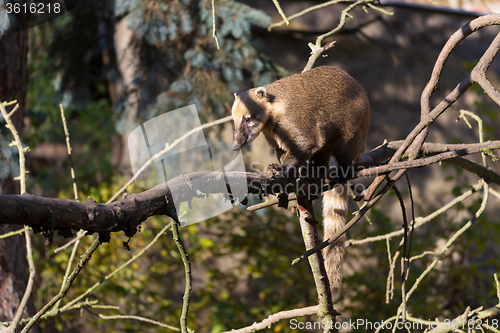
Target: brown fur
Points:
(315, 115)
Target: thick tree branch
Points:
(310, 234)
(127, 214)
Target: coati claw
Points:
(274, 170)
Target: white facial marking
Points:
(235, 105)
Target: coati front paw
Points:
(285, 171)
(274, 170)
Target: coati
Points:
(312, 116)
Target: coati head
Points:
(251, 110)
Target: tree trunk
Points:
(13, 84)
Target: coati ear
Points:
(261, 92)
(235, 95)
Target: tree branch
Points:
(129, 212)
(187, 267)
(310, 234)
(419, 221)
(274, 318)
(415, 139)
(22, 179)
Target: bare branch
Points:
(451, 241)
(87, 292)
(68, 146)
(81, 233)
(79, 266)
(310, 234)
(317, 49)
(22, 179)
(461, 322)
(278, 7)
(428, 160)
(305, 11)
(497, 284)
(214, 35)
(187, 268)
(416, 138)
(419, 221)
(139, 318)
(274, 318)
(453, 41)
(168, 147)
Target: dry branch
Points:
(413, 142)
(310, 234)
(274, 318)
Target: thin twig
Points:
(452, 240)
(389, 289)
(310, 235)
(404, 257)
(79, 266)
(86, 303)
(213, 25)
(498, 286)
(495, 193)
(412, 214)
(278, 7)
(168, 147)
(68, 269)
(305, 11)
(68, 244)
(12, 233)
(419, 221)
(317, 49)
(463, 114)
(480, 148)
(423, 254)
(68, 146)
(275, 317)
(187, 267)
(107, 277)
(81, 233)
(144, 319)
(22, 179)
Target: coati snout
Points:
(241, 135)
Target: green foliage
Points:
(241, 273)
